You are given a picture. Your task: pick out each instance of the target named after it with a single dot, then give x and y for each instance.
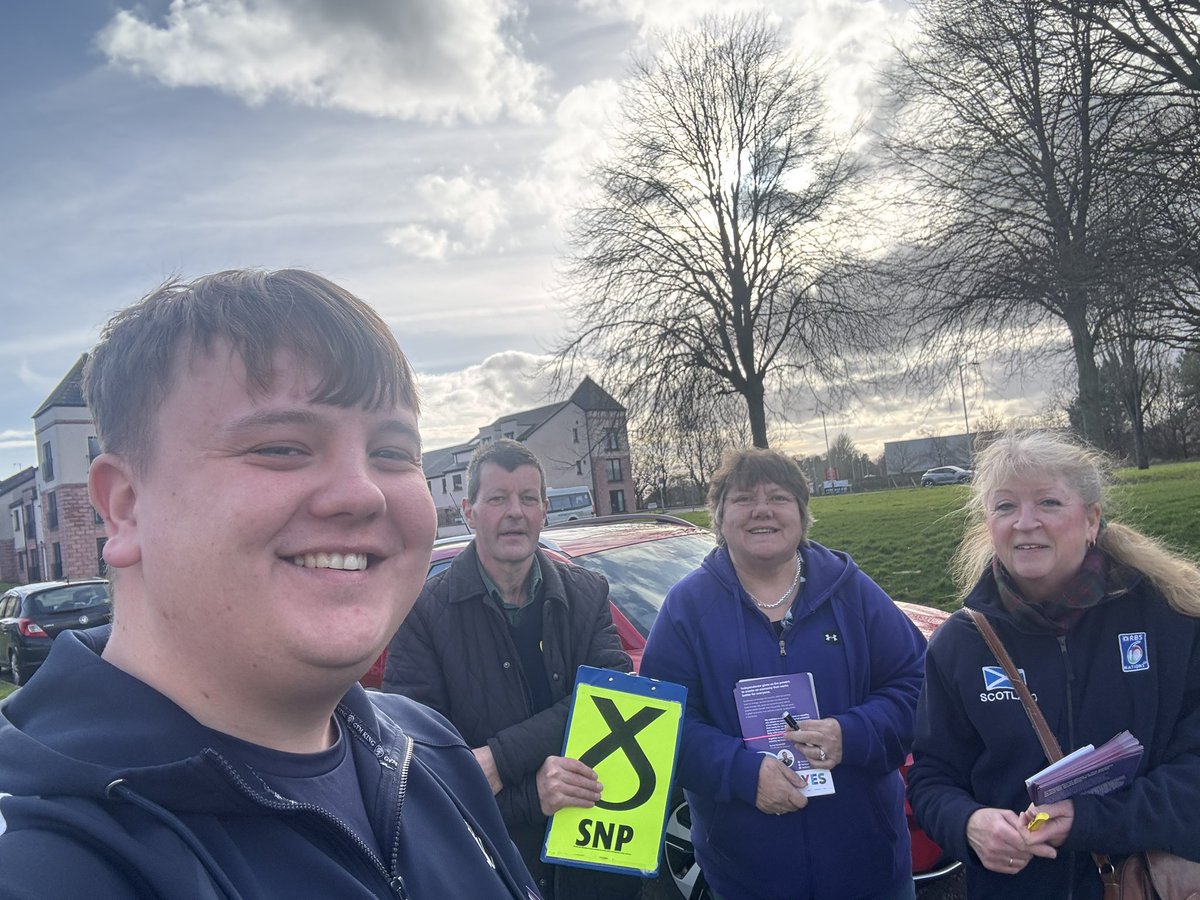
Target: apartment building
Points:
(583, 440)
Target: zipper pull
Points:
(782, 648)
(397, 886)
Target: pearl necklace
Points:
(778, 603)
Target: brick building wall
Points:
(76, 534)
(8, 563)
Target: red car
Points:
(643, 556)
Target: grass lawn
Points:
(904, 538)
(6, 688)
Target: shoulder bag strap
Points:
(1108, 873)
(1045, 735)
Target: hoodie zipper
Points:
(1066, 660)
(394, 881)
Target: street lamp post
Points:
(962, 387)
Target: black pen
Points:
(791, 721)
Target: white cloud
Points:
(431, 60)
(461, 215)
(455, 405)
(419, 242)
(582, 129)
(12, 439)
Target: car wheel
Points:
(679, 857)
(17, 671)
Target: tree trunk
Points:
(1140, 454)
(1084, 346)
(756, 406)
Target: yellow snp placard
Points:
(627, 728)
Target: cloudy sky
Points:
(423, 153)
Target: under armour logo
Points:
(832, 637)
(623, 736)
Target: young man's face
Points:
(507, 515)
(249, 505)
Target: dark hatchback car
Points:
(32, 615)
(642, 556)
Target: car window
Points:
(67, 598)
(639, 575)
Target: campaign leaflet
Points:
(762, 704)
(1089, 770)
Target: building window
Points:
(93, 447)
(614, 470)
(616, 499)
(443, 485)
(29, 526)
(21, 561)
(579, 467)
(575, 435)
(58, 567)
(509, 434)
(101, 568)
(611, 440)
(430, 483)
(457, 482)
(47, 462)
(96, 517)
(52, 511)
(16, 520)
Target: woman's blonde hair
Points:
(1020, 455)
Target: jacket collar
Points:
(465, 584)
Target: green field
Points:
(904, 538)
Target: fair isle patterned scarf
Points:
(1095, 580)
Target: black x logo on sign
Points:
(623, 736)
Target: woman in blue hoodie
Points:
(767, 601)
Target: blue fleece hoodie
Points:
(975, 745)
(108, 789)
(866, 659)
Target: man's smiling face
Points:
(286, 537)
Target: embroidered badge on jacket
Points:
(1135, 652)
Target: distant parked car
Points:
(32, 615)
(946, 475)
(642, 556)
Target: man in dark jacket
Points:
(494, 642)
(268, 529)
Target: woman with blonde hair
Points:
(1101, 621)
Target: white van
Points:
(568, 504)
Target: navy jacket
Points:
(975, 746)
(865, 657)
(107, 789)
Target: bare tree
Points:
(843, 455)
(1016, 133)
(714, 252)
(1134, 372)
(653, 461)
(1162, 35)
